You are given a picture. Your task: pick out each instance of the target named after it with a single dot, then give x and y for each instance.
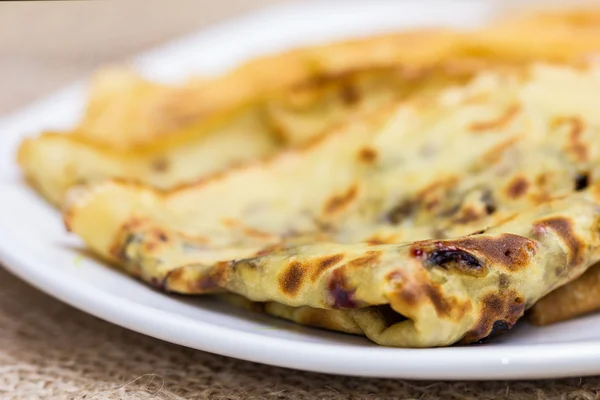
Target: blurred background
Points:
(47, 44)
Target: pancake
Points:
(429, 222)
(169, 135)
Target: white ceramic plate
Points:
(35, 246)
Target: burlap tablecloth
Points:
(50, 350)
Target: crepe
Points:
(432, 222)
(165, 136)
(55, 162)
(158, 111)
(577, 298)
(144, 112)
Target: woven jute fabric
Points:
(51, 350)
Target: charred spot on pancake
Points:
(479, 232)
(447, 256)
(503, 281)
(349, 95)
(498, 327)
(186, 280)
(401, 287)
(406, 291)
(341, 295)
(370, 258)
(578, 148)
(451, 210)
(542, 179)
(377, 240)
(177, 275)
(367, 155)
(323, 264)
(468, 214)
(230, 222)
(401, 211)
(517, 187)
(323, 226)
(160, 165)
(339, 202)
(433, 194)
(249, 263)
(410, 297)
(442, 305)
(210, 281)
(268, 250)
(504, 251)
(438, 233)
(131, 239)
(487, 198)
(499, 313)
(153, 239)
(582, 181)
(495, 154)
(291, 280)
(256, 233)
(563, 227)
(501, 121)
(451, 258)
(247, 230)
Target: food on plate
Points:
(165, 135)
(54, 161)
(432, 221)
(576, 298)
(161, 111)
(168, 135)
(126, 111)
(421, 188)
